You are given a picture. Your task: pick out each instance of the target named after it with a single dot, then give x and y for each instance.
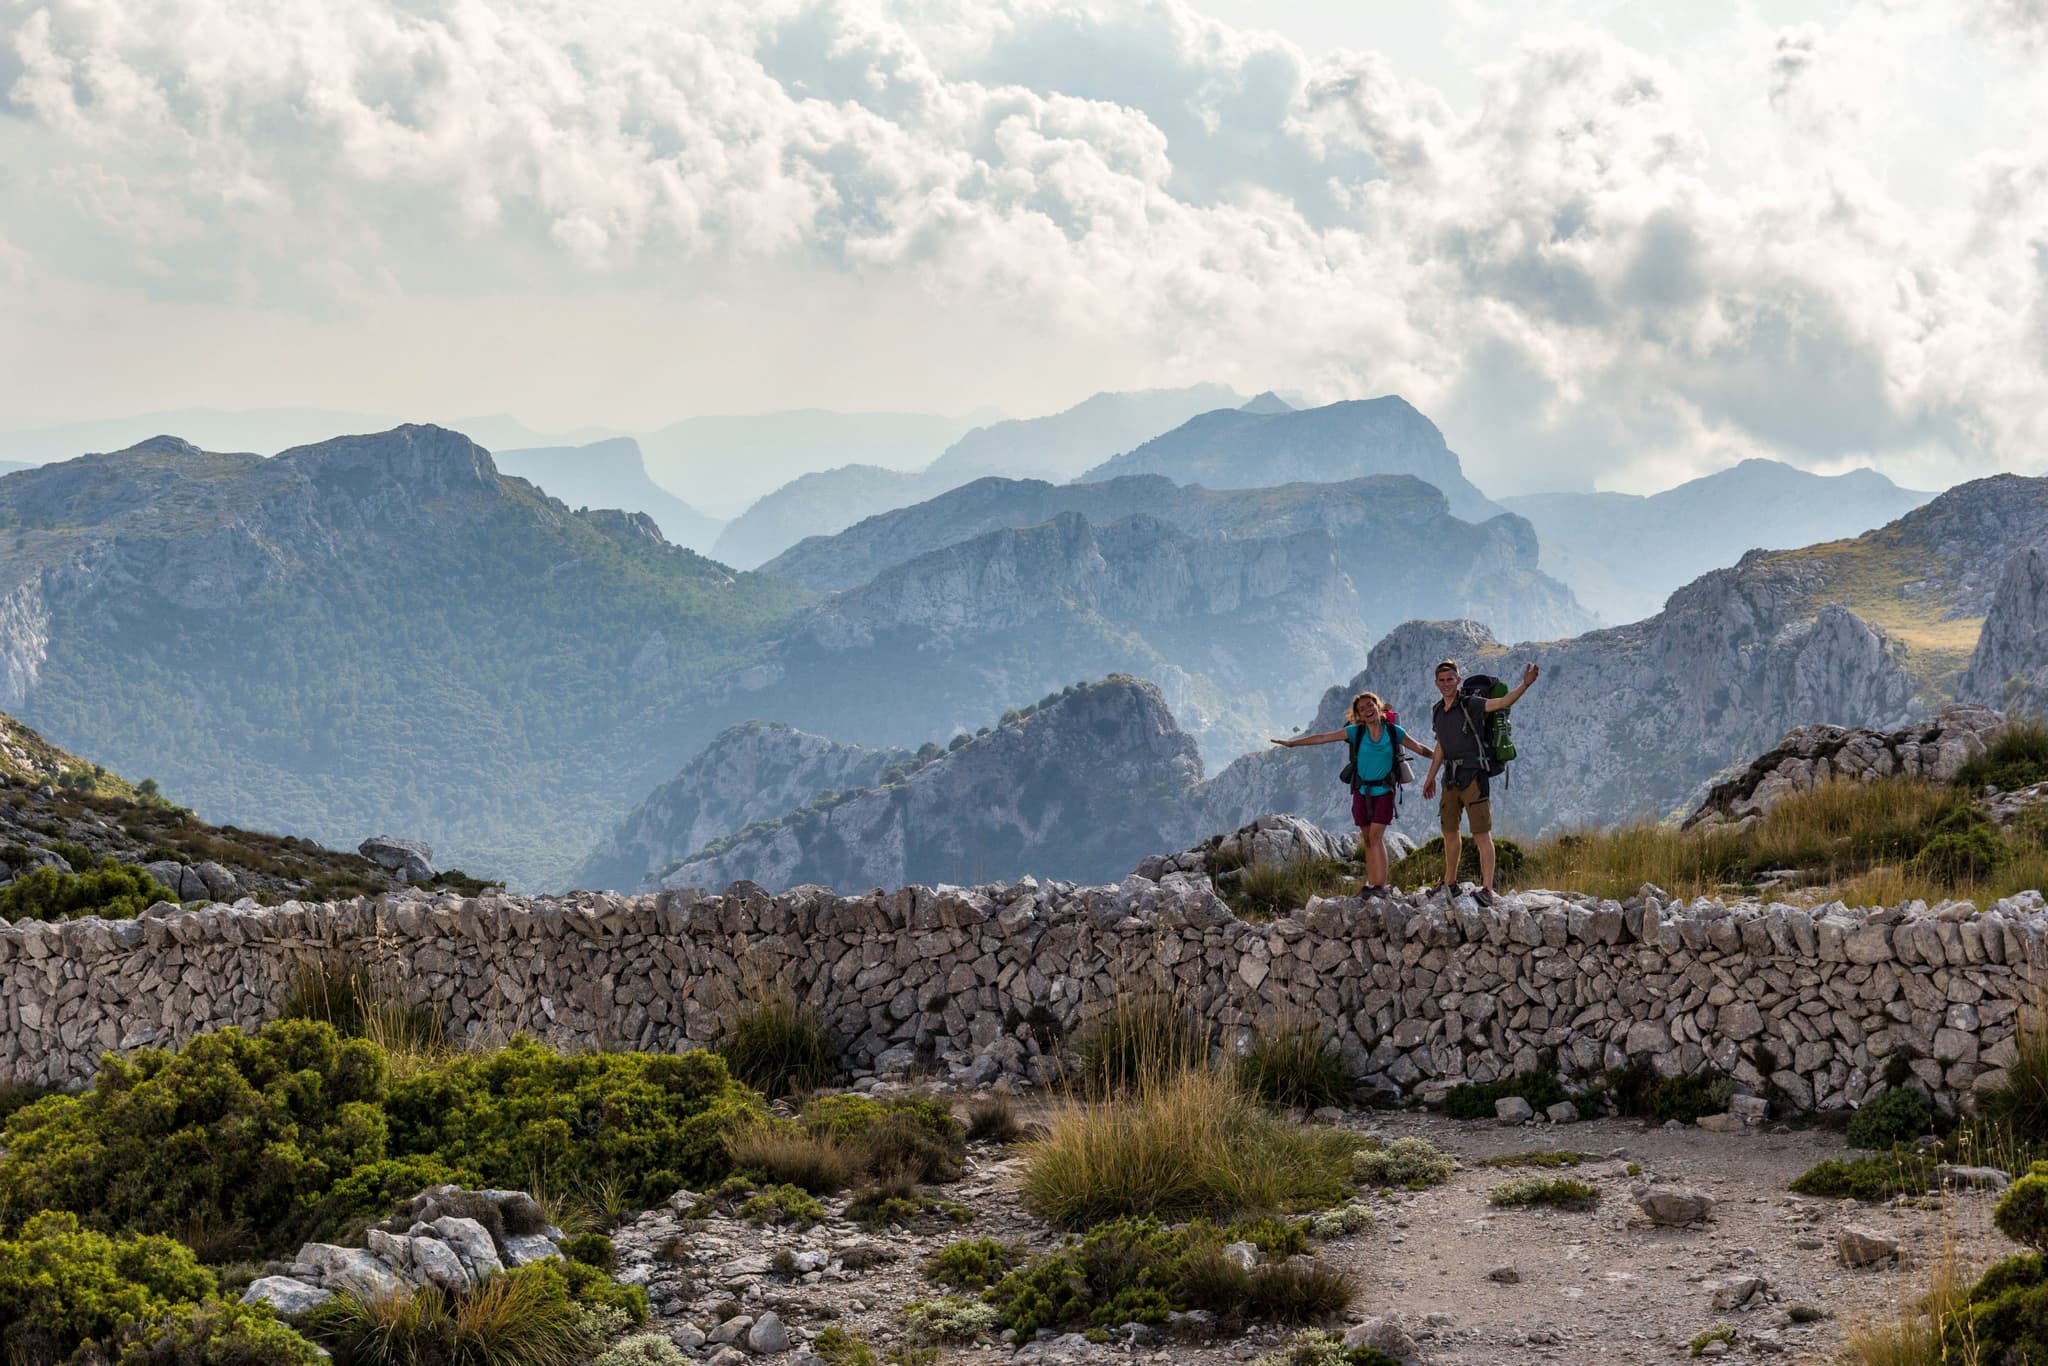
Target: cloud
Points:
(1584, 275)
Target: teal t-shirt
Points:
(1375, 757)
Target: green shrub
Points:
(1318, 1347)
(592, 1289)
(1549, 1158)
(1139, 1271)
(213, 1333)
(643, 1349)
(1295, 1066)
(1639, 1092)
(835, 1346)
(971, 1263)
(1475, 1100)
(1880, 1176)
(1961, 856)
(1425, 866)
(1559, 1192)
(524, 1317)
(2016, 756)
(914, 1135)
(1720, 1332)
(948, 1318)
(779, 1046)
(235, 1130)
(1409, 1163)
(782, 1205)
(62, 1284)
(2022, 1212)
(1340, 1222)
(649, 1123)
(1141, 1038)
(1891, 1118)
(119, 891)
(591, 1249)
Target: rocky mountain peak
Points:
(1086, 783)
(2010, 665)
(421, 459)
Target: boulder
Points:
(1673, 1206)
(1861, 1245)
(1513, 1110)
(1383, 1333)
(768, 1336)
(287, 1298)
(411, 860)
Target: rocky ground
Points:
(1470, 1283)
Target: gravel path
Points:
(1474, 1285)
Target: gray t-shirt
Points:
(1459, 728)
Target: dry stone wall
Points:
(981, 983)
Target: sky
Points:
(1605, 244)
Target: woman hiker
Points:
(1373, 739)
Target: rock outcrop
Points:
(609, 474)
(2009, 668)
(438, 1242)
(1083, 786)
(1935, 749)
(752, 772)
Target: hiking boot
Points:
(1484, 896)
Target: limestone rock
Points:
(1860, 1245)
(1673, 1206)
(411, 860)
(288, 1298)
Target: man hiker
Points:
(1460, 722)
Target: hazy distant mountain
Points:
(371, 634)
(8, 467)
(610, 474)
(1062, 445)
(723, 464)
(1083, 787)
(1267, 402)
(1393, 536)
(1055, 447)
(1236, 449)
(813, 505)
(1623, 554)
(264, 431)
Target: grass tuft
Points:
(788, 1156)
(778, 1046)
(1190, 1144)
(993, 1119)
(1142, 1036)
(1295, 1066)
(1558, 1192)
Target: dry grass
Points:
(1856, 840)
(778, 1045)
(1144, 1034)
(1921, 1330)
(1183, 1144)
(817, 1163)
(993, 1119)
(363, 997)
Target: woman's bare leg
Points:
(1375, 841)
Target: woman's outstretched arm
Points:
(1328, 737)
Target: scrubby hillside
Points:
(1081, 787)
(375, 633)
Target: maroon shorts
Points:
(1372, 810)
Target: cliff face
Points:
(1235, 449)
(1082, 788)
(751, 772)
(2009, 668)
(1394, 534)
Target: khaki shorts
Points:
(1471, 801)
